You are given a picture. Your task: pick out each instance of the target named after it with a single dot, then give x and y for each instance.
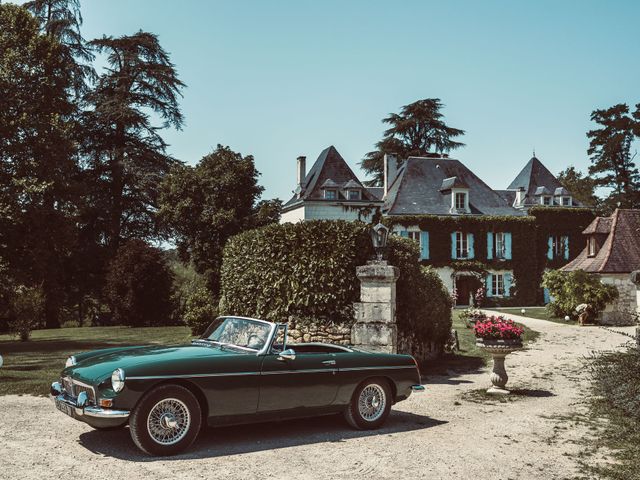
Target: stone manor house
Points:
(473, 235)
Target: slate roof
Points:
(377, 192)
(329, 170)
(416, 190)
(532, 177)
(620, 252)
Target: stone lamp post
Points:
(375, 327)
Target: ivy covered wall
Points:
(529, 244)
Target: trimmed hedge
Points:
(423, 302)
(307, 270)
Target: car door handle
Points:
(329, 362)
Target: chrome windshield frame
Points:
(267, 344)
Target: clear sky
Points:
(278, 79)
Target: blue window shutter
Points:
(550, 250)
(489, 245)
(507, 284)
(424, 245)
(453, 245)
(489, 286)
(566, 247)
(507, 245)
(404, 234)
(472, 253)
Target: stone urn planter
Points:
(488, 337)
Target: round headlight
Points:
(117, 379)
(71, 361)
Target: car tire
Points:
(370, 404)
(166, 421)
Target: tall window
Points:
(330, 194)
(559, 244)
(497, 285)
(592, 247)
(461, 200)
(501, 249)
(462, 245)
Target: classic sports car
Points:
(241, 370)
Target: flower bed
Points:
(497, 328)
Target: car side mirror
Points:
(288, 354)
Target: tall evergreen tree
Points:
(612, 163)
(418, 130)
(60, 20)
(125, 154)
(37, 155)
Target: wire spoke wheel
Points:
(372, 402)
(168, 421)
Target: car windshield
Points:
(238, 332)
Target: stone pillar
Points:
(375, 328)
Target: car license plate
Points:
(65, 408)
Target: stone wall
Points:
(318, 331)
(623, 309)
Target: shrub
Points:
(138, 286)
(616, 382)
(423, 302)
(200, 310)
(27, 308)
(307, 270)
(570, 289)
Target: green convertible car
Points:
(241, 370)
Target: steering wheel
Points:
(255, 341)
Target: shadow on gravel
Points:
(223, 441)
(533, 393)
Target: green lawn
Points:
(470, 357)
(541, 313)
(30, 367)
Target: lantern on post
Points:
(379, 237)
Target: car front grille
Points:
(74, 387)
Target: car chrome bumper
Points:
(57, 395)
(417, 388)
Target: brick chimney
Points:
(390, 170)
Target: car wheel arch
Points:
(192, 387)
(390, 383)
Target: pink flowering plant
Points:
(498, 328)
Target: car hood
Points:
(94, 367)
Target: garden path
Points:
(451, 431)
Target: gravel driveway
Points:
(447, 432)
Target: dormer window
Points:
(546, 200)
(353, 194)
(592, 247)
(330, 194)
(566, 201)
(459, 191)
